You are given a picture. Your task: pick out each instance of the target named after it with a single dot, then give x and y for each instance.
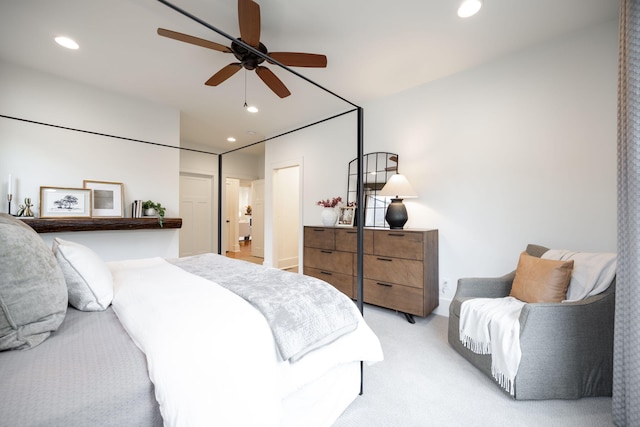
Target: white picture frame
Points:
(60, 202)
(107, 198)
(346, 216)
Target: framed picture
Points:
(56, 202)
(346, 217)
(107, 198)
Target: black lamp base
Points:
(396, 214)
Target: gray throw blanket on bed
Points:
(304, 313)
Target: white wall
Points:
(520, 150)
(39, 155)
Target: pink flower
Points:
(330, 203)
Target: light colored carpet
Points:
(424, 382)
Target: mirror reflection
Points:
(378, 168)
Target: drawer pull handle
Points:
(326, 252)
(326, 273)
(352, 232)
(384, 284)
(320, 230)
(385, 259)
(396, 234)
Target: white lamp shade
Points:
(398, 187)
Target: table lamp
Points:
(397, 188)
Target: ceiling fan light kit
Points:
(249, 23)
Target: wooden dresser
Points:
(400, 266)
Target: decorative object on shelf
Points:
(57, 202)
(152, 209)
(346, 216)
(329, 214)
(9, 193)
(107, 198)
(25, 210)
(397, 188)
(136, 209)
(248, 210)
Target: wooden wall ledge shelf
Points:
(53, 225)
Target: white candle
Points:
(9, 185)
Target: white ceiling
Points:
(374, 49)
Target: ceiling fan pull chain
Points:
(245, 88)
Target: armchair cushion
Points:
(541, 280)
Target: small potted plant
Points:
(151, 208)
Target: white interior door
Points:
(232, 214)
(196, 235)
(286, 202)
(257, 218)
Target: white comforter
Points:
(211, 355)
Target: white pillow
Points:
(89, 280)
(592, 272)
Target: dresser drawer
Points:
(402, 298)
(397, 270)
(347, 240)
(320, 237)
(343, 282)
(324, 259)
(400, 244)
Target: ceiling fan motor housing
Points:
(248, 59)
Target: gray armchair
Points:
(567, 348)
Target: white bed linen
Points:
(211, 355)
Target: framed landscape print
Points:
(107, 198)
(57, 202)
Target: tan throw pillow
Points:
(541, 280)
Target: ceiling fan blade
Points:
(193, 40)
(271, 80)
(223, 74)
(295, 59)
(249, 20)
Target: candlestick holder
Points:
(9, 198)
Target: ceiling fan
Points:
(249, 20)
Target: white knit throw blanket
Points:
(492, 326)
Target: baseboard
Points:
(443, 308)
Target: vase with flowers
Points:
(329, 214)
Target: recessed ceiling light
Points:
(252, 109)
(231, 139)
(469, 8)
(66, 42)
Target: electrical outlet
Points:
(445, 286)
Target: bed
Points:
(204, 340)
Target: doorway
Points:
(286, 217)
(244, 219)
